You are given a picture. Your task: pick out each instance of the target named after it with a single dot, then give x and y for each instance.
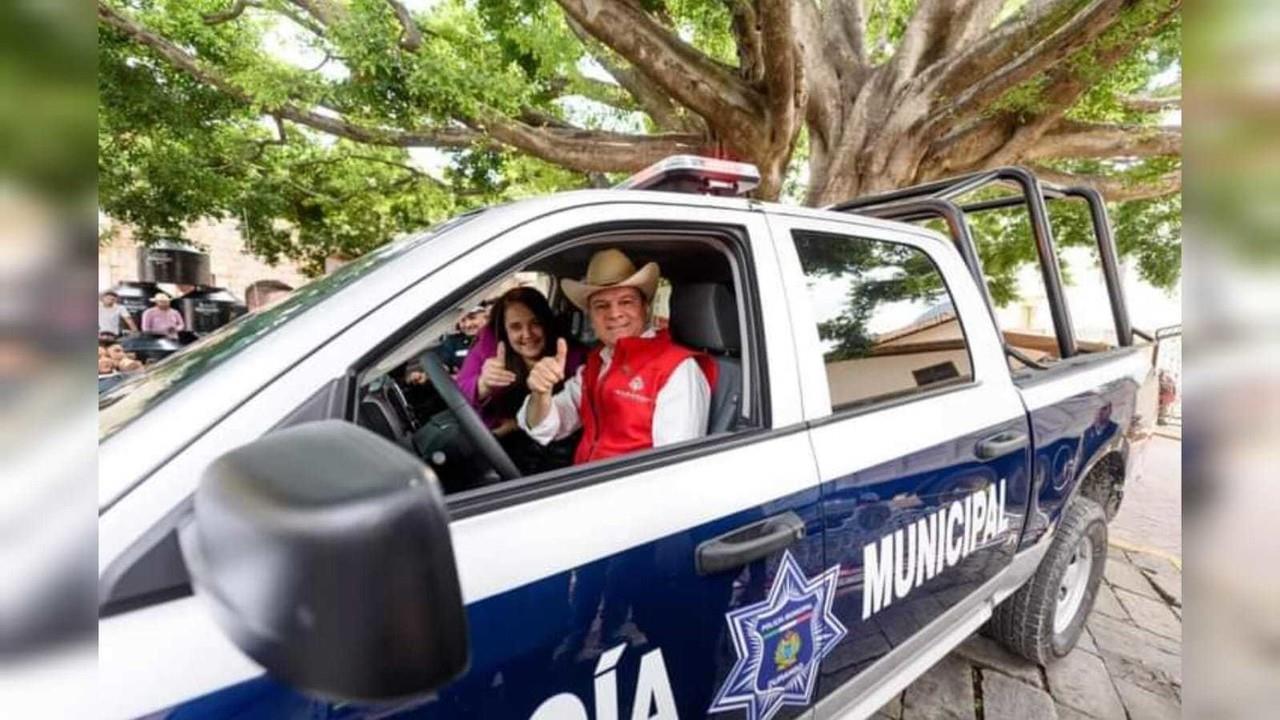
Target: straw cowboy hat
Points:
(609, 269)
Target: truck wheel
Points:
(1044, 618)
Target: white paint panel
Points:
(894, 432)
(157, 657)
(1089, 377)
(502, 550)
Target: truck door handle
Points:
(1000, 444)
(749, 542)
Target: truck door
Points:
(646, 586)
(921, 440)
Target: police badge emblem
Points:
(781, 641)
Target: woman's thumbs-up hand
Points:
(494, 373)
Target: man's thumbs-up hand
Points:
(549, 371)
(562, 353)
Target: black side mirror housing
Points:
(324, 550)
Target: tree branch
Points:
(844, 24)
(1006, 137)
(1115, 189)
(447, 137)
(780, 61)
(371, 159)
(1066, 83)
(650, 98)
(236, 10)
(300, 19)
(325, 12)
(1014, 60)
(607, 94)
(745, 26)
(940, 28)
(411, 38)
(590, 150)
(1148, 104)
(680, 70)
(928, 27)
(1070, 139)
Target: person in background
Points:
(265, 293)
(115, 351)
(111, 314)
(453, 350)
(162, 319)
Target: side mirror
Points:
(324, 550)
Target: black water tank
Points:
(136, 298)
(206, 309)
(173, 261)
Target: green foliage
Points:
(886, 22)
(46, 55)
(171, 150)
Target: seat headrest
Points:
(705, 316)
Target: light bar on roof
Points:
(691, 173)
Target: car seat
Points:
(704, 316)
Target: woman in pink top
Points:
(522, 329)
(162, 319)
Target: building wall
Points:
(232, 267)
(866, 377)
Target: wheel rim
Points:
(1075, 581)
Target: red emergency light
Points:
(694, 174)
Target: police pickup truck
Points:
(291, 526)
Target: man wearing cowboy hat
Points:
(637, 390)
(162, 319)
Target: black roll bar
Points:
(896, 204)
(1107, 256)
(929, 208)
(1106, 246)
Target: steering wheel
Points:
(468, 419)
(395, 394)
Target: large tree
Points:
(843, 97)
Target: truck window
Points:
(885, 319)
(700, 301)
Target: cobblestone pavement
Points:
(1128, 663)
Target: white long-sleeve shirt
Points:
(680, 410)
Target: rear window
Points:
(885, 319)
(120, 405)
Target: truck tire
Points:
(1043, 620)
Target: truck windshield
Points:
(126, 401)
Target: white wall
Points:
(1149, 307)
(868, 377)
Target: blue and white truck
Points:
(290, 528)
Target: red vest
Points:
(627, 395)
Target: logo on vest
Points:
(636, 384)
